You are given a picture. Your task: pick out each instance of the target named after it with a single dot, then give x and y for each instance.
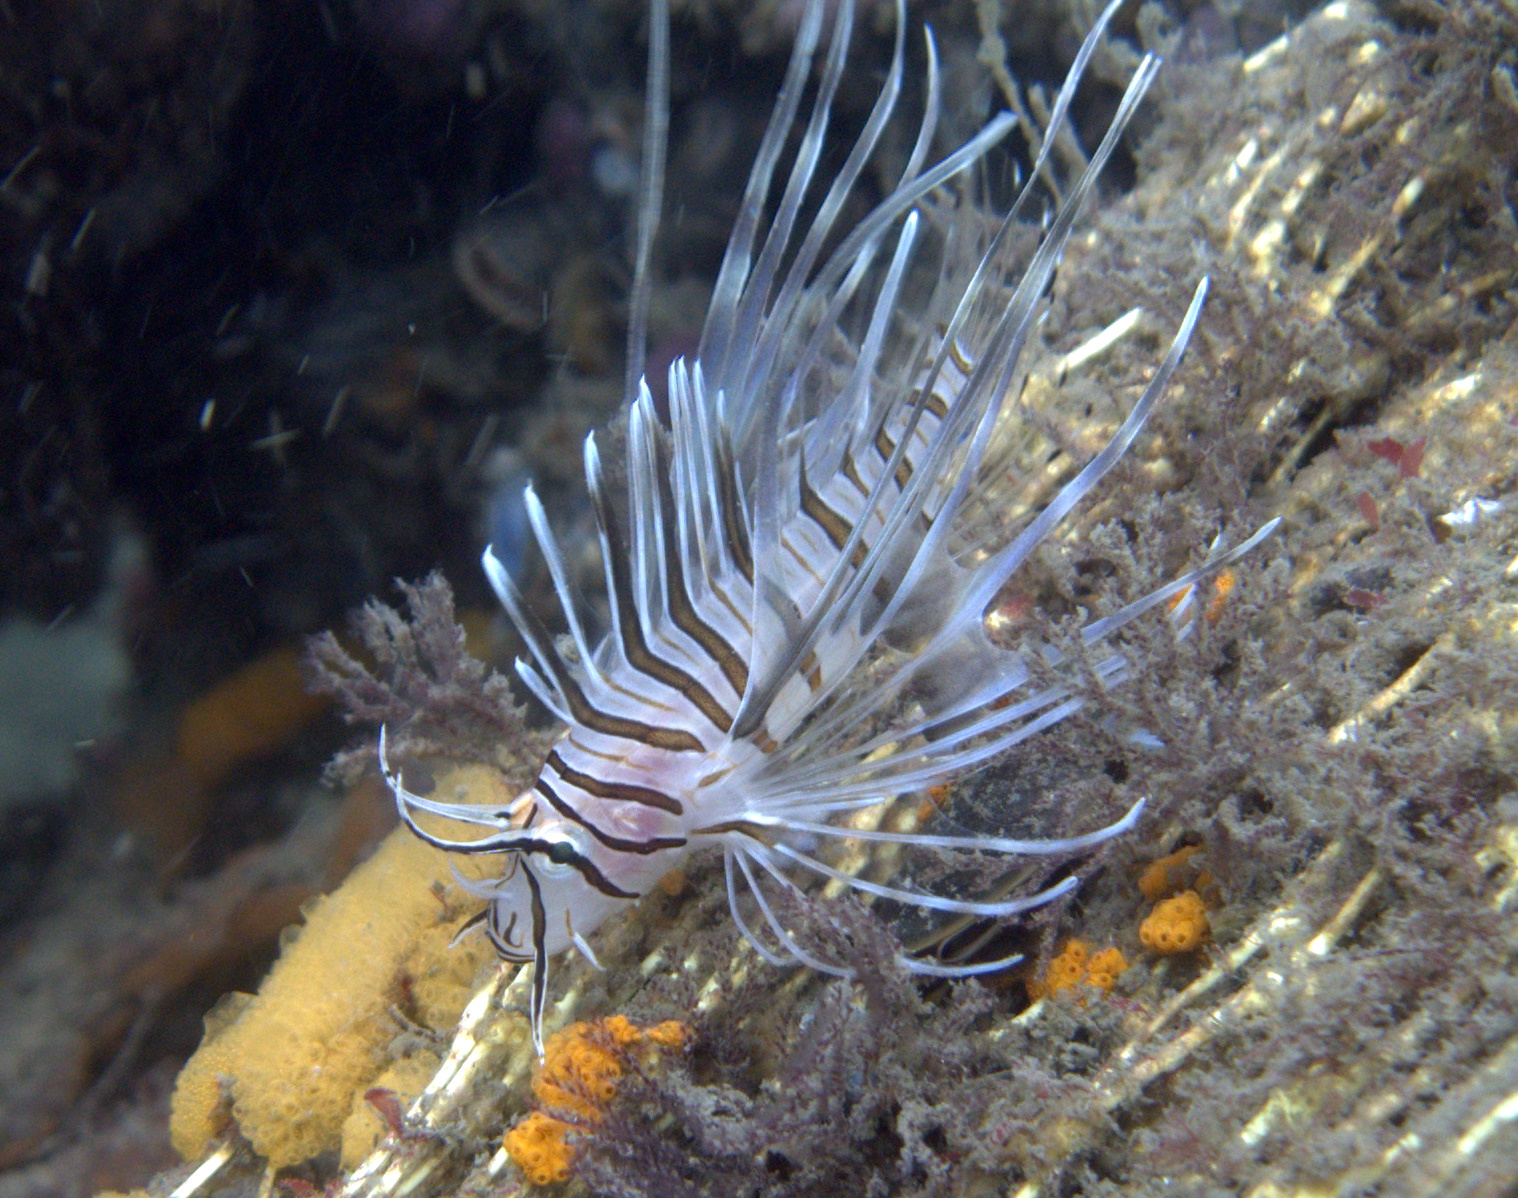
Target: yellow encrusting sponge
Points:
(287, 1063)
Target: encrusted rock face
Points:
(1338, 784)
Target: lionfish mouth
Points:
(794, 518)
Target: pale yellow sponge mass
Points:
(366, 1126)
(287, 1064)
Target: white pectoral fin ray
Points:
(985, 844)
(791, 951)
(1100, 628)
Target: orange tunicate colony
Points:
(1176, 925)
(1074, 965)
(582, 1067)
(1161, 878)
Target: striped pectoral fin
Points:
(628, 621)
(682, 610)
(833, 524)
(790, 946)
(730, 502)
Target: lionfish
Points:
(797, 610)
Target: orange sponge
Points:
(1176, 925)
(1161, 878)
(1075, 964)
(537, 1146)
(1066, 969)
(582, 1066)
(1103, 968)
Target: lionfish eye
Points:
(561, 852)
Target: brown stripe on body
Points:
(642, 699)
(757, 831)
(622, 792)
(582, 711)
(933, 404)
(617, 758)
(681, 610)
(731, 606)
(652, 845)
(851, 472)
(801, 560)
(885, 447)
(688, 620)
(676, 740)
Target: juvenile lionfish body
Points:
(797, 607)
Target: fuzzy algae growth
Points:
(286, 1064)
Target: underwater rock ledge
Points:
(1341, 737)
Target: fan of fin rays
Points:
(783, 413)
